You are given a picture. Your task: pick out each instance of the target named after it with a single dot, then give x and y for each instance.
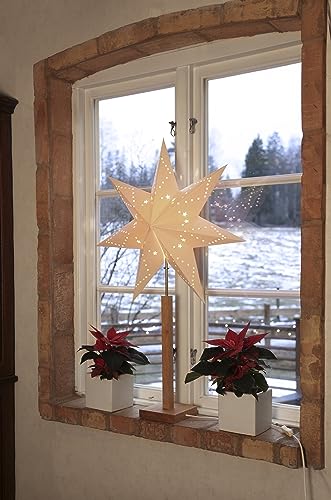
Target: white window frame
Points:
(188, 70)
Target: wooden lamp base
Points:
(168, 412)
(172, 416)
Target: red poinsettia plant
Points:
(112, 354)
(234, 363)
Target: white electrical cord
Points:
(289, 433)
(283, 429)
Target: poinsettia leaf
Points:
(96, 333)
(86, 347)
(243, 332)
(222, 368)
(113, 359)
(216, 342)
(265, 353)
(232, 336)
(205, 367)
(263, 363)
(220, 389)
(111, 333)
(246, 384)
(127, 368)
(260, 381)
(138, 357)
(238, 393)
(89, 355)
(192, 376)
(253, 339)
(210, 352)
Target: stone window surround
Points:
(53, 79)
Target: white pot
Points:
(109, 395)
(245, 415)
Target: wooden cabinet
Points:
(7, 325)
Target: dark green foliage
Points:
(192, 376)
(279, 205)
(88, 356)
(234, 363)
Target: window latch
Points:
(172, 128)
(193, 355)
(193, 122)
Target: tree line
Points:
(279, 204)
(275, 205)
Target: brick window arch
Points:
(53, 79)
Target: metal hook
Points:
(193, 122)
(193, 356)
(173, 128)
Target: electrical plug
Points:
(287, 431)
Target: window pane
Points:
(142, 318)
(254, 122)
(268, 219)
(131, 129)
(278, 316)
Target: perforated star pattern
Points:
(166, 225)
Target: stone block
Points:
(64, 360)
(62, 165)
(68, 415)
(43, 267)
(259, 450)
(313, 19)
(154, 430)
(95, 418)
(190, 20)
(44, 333)
(46, 410)
(105, 61)
(128, 36)
(62, 231)
(63, 293)
(290, 456)
(224, 442)
(314, 85)
(74, 55)
(45, 383)
(59, 108)
(41, 130)
(312, 432)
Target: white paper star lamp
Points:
(166, 225)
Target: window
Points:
(243, 119)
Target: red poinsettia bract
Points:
(234, 363)
(112, 354)
(234, 343)
(111, 339)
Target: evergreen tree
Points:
(293, 161)
(256, 165)
(255, 160)
(278, 199)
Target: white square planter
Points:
(109, 395)
(245, 415)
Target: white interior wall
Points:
(62, 462)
